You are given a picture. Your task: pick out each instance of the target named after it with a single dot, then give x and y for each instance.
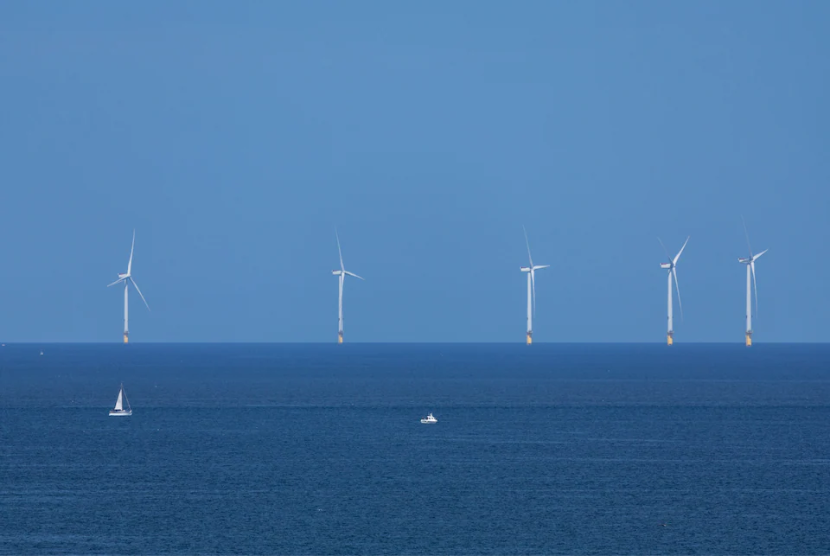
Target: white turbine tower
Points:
(127, 278)
(341, 274)
(531, 288)
(750, 269)
(671, 266)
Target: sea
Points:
(319, 449)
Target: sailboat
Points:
(119, 410)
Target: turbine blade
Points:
(353, 274)
(539, 266)
(130, 264)
(339, 251)
(528, 247)
(754, 283)
(533, 285)
(746, 233)
(674, 262)
(677, 287)
(116, 282)
(139, 293)
(666, 251)
(758, 256)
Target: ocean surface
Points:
(318, 449)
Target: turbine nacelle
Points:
(337, 272)
(752, 258)
(665, 266)
(524, 268)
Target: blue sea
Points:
(318, 449)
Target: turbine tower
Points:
(127, 278)
(671, 266)
(531, 288)
(750, 269)
(341, 274)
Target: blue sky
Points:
(235, 136)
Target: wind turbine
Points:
(671, 266)
(750, 269)
(126, 279)
(531, 288)
(341, 274)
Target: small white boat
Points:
(429, 419)
(119, 410)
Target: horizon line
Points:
(326, 343)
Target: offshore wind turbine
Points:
(671, 266)
(750, 269)
(126, 278)
(531, 288)
(341, 274)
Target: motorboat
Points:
(429, 420)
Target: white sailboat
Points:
(119, 410)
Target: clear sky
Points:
(235, 136)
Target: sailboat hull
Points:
(122, 413)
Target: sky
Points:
(235, 137)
